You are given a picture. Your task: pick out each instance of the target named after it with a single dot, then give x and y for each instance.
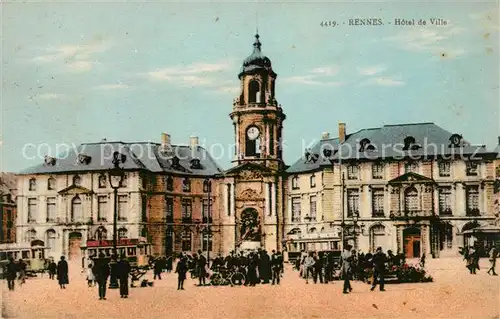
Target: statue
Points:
(250, 226)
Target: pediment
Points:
(249, 171)
(249, 195)
(411, 178)
(74, 190)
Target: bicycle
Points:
(225, 276)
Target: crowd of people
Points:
(17, 270)
(473, 253)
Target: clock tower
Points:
(253, 189)
(257, 116)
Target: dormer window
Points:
(195, 164)
(84, 159)
(312, 181)
(310, 157)
(102, 181)
(363, 144)
(186, 185)
(295, 182)
(327, 153)
(51, 161)
(410, 144)
(32, 184)
(455, 140)
(77, 180)
(471, 168)
(51, 183)
(175, 161)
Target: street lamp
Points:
(207, 184)
(116, 176)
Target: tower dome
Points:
(256, 61)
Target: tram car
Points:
(136, 250)
(33, 255)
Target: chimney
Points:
(165, 140)
(325, 135)
(195, 141)
(341, 132)
(499, 140)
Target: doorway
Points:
(75, 241)
(412, 242)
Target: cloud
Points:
(384, 81)
(326, 70)
(487, 19)
(80, 66)
(311, 80)
(429, 39)
(46, 96)
(108, 87)
(372, 70)
(189, 74)
(228, 89)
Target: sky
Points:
(79, 72)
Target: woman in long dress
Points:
(181, 271)
(62, 273)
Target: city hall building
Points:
(410, 188)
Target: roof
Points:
(139, 156)
(256, 61)
(8, 184)
(388, 142)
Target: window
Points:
(444, 169)
(207, 241)
(352, 172)
(51, 209)
(101, 233)
(186, 185)
(51, 183)
(77, 180)
(122, 207)
(124, 181)
(205, 212)
(228, 200)
(271, 141)
(32, 184)
(295, 182)
(445, 201)
(312, 207)
(169, 181)
(472, 200)
(186, 210)
(51, 239)
(32, 210)
(144, 210)
(122, 233)
(312, 181)
(186, 240)
(31, 236)
(253, 92)
(411, 200)
(378, 171)
(76, 209)
(296, 210)
(411, 167)
(169, 209)
(446, 240)
(471, 168)
(377, 233)
(377, 202)
(207, 185)
(102, 205)
(102, 181)
(352, 202)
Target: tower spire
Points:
(257, 43)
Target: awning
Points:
(489, 229)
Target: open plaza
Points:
(454, 293)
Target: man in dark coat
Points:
(276, 264)
(181, 270)
(123, 273)
(62, 273)
(318, 268)
(11, 274)
(52, 269)
(201, 263)
(158, 268)
(101, 272)
(264, 266)
(379, 259)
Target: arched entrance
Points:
(250, 229)
(412, 242)
(75, 241)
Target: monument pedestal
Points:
(250, 245)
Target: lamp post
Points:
(116, 176)
(207, 183)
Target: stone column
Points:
(233, 194)
(273, 199)
(399, 239)
(267, 199)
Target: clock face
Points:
(253, 133)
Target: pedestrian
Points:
(276, 264)
(101, 272)
(318, 269)
(200, 267)
(309, 266)
(52, 269)
(21, 267)
(169, 264)
(62, 273)
(422, 261)
(346, 268)
(90, 276)
(123, 269)
(158, 268)
(11, 273)
(181, 271)
(493, 260)
(253, 262)
(379, 259)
